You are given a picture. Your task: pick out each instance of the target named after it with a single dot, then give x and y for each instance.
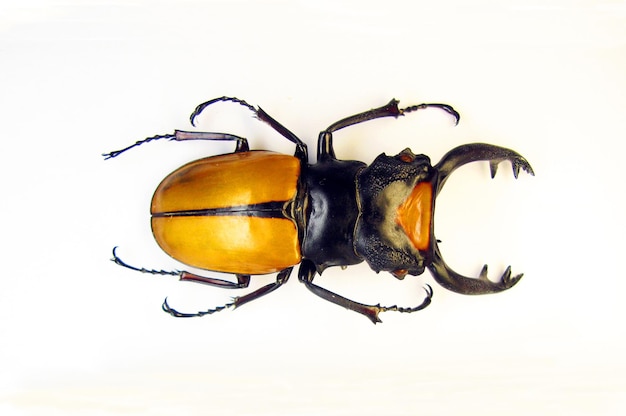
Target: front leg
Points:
(325, 142)
(475, 152)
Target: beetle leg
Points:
(176, 314)
(115, 259)
(325, 144)
(388, 110)
(242, 143)
(242, 280)
(116, 153)
(475, 152)
(281, 278)
(451, 280)
(301, 148)
(200, 108)
(179, 135)
(307, 273)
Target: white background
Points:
(80, 335)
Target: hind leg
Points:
(180, 135)
(243, 280)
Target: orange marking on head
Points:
(415, 214)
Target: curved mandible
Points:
(456, 282)
(475, 152)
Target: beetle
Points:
(254, 212)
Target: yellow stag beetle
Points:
(254, 212)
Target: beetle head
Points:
(394, 230)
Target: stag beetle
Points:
(255, 212)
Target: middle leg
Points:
(301, 148)
(281, 278)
